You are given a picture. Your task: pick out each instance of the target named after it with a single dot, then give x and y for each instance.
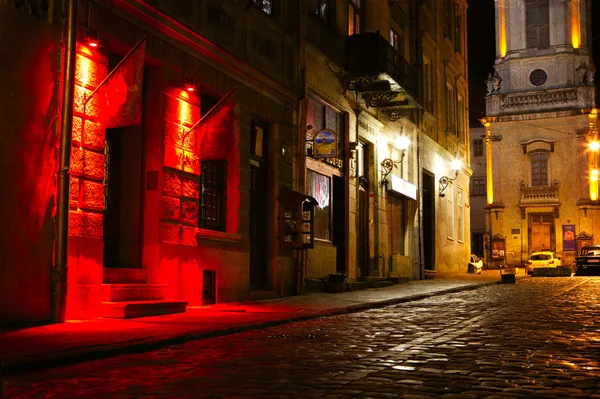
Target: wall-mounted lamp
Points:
(189, 84)
(445, 181)
(388, 164)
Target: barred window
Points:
(213, 195)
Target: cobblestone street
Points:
(538, 338)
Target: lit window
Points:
(264, 5)
(353, 17)
(213, 195)
(318, 186)
(539, 169)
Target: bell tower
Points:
(543, 57)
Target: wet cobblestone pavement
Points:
(539, 338)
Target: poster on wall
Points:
(498, 249)
(325, 144)
(568, 232)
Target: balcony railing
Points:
(541, 194)
(369, 54)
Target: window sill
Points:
(213, 235)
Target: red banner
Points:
(215, 129)
(120, 94)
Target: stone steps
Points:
(133, 309)
(114, 275)
(133, 292)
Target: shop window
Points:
(213, 195)
(539, 169)
(322, 116)
(318, 186)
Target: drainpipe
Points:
(59, 274)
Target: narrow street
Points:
(538, 338)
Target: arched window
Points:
(537, 23)
(539, 168)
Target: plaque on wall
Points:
(325, 144)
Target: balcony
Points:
(380, 73)
(545, 195)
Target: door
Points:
(258, 207)
(363, 228)
(540, 232)
(123, 197)
(339, 230)
(428, 221)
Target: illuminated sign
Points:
(325, 144)
(403, 187)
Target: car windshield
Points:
(541, 257)
(590, 251)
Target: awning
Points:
(403, 187)
(293, 197)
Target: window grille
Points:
(213, 195)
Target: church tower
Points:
(540, 121)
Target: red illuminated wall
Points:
(86, 191)
(29, 93)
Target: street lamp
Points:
(402, 143)
(445, 181)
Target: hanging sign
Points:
(568, 231)
(325, 144)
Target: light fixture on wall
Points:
(92, 38)
(388, 164)
(189, 84)
(445, 181)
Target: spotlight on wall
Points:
(445, 181)
(92, 38)
(189, 84)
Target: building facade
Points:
(203, 152)
(540, 125)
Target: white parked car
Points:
(475, 264)
(542, 259)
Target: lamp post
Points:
(445, 181)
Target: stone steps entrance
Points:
(126, 294)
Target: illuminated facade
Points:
(540, 122)
(191, 147)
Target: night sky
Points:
(482, 51)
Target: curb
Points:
(96, 352)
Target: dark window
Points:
(322, 116)
(354, 13)
(265, 5)
(213, 194)
(458, 23)
(322, 8)
(539, 169)
(477, 187)
(478, 147)
(449, 16)
(537, 23)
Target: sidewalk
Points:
(54, 344)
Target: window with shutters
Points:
(478, 147)
(539, 168)
(213, 195)
(537, 23)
